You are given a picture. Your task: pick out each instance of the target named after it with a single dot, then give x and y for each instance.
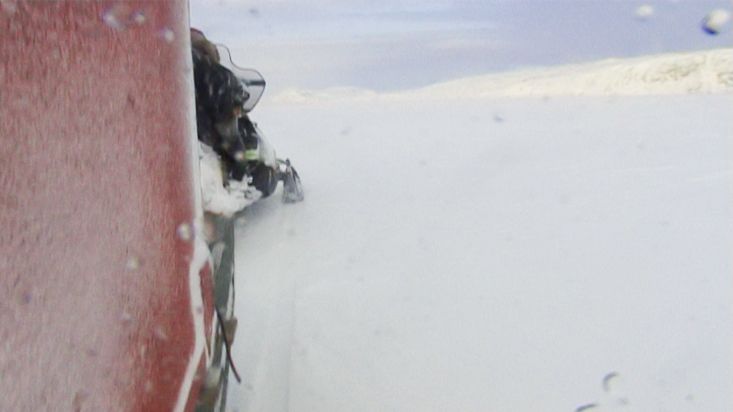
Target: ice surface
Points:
(576, 253)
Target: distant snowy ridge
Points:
(700, 72)
(333, 93)
(680, 73)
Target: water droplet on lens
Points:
(125, 317)
(607, 380)
(111, 17)
(644, 12)
(138, 17)
(167, 35)
(160, 333)
(133, 263)
(716, 21)
(184, 232)
(586, 407)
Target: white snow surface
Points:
(708, 71)
(492, 254)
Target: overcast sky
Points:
(399, 44)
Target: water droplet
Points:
(608, 379)
(111, 17)
(715, 21)
(644, 12)
(184, 232)
(167, 35)
(138, 17)
(133, 263)
(125, 317)
(160, 333)
(239, 155)
(586, 407)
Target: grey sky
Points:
(386, 45)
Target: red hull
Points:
(97, 176)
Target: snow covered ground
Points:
(675, 73)
(492, 254)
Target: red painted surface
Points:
(96, 176)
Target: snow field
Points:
(495, 254)
(708, 72)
